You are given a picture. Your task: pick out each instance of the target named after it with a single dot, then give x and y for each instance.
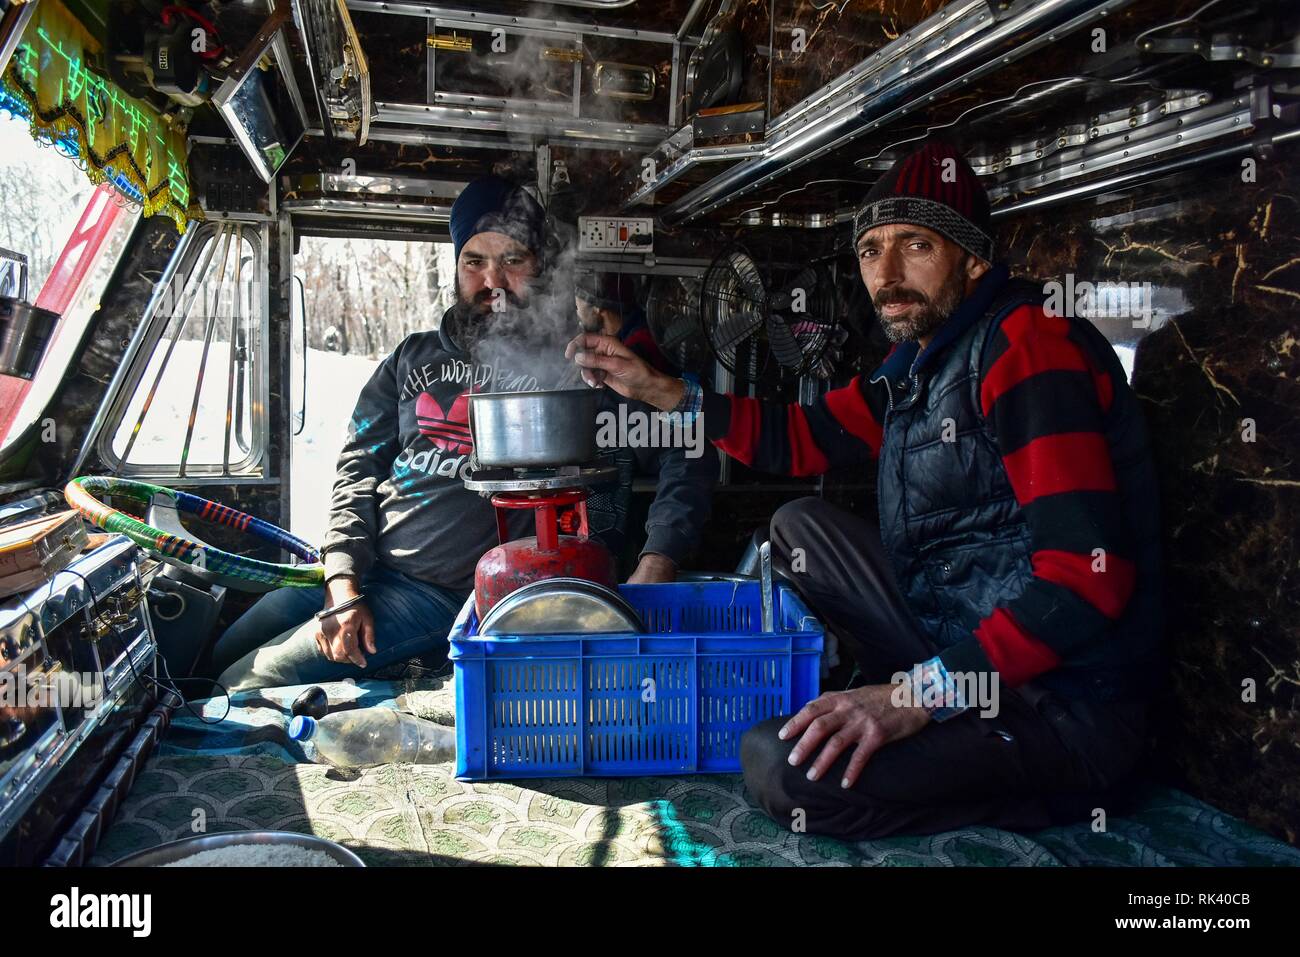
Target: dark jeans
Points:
(274, 642)
(1041, 760)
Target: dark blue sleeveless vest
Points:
(949, 521)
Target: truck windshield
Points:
(72, 234)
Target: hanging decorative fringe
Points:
(114, 138)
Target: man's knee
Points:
(292, 657)
(786, 795)
(790, 523)
(764, 759)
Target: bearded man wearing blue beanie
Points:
(404, 533)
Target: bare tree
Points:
(41, 194)
(373, 292)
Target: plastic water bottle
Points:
(369, 736)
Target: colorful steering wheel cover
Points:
(81, 494)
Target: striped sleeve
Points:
(843, 427)
(1046, 400)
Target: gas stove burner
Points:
(539, 479)
(559, 471)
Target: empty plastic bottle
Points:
(369, 736)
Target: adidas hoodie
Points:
(399, 496)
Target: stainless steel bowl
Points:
(562, 606)
(534, 429)
(189, 846)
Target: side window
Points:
(198, 385)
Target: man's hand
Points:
(341, 637)
(864, 719)
(606, 361)
(652, 568)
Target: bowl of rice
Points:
(245, 849)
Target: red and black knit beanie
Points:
(933, 187)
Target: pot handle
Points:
(473, 455)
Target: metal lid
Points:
(561, 606)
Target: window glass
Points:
(43, 196)
(200, 399)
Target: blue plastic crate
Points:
(672, 701)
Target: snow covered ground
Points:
(333, 384)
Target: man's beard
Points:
(472, 320)
(932, 314)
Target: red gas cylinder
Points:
(548, 554)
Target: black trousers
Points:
(1041, 760)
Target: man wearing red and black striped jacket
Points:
(1005, 607)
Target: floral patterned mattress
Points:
(245, 772)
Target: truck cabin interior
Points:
(218, 218)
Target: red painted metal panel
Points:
(98, 218)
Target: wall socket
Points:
(611, 234)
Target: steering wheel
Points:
(163, 536)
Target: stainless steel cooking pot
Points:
(534, 429)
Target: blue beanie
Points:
(492, 204)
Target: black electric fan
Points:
(673, 315)
(766, 329)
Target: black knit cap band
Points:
(944, 220)
(936, 188)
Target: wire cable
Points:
(169, 685)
